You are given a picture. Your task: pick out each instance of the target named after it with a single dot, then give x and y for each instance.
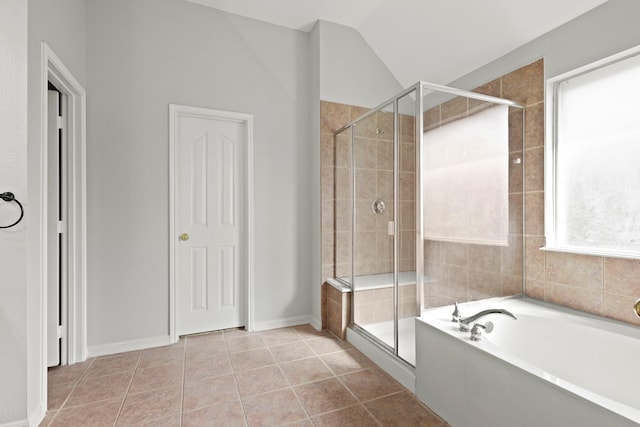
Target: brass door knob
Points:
(183, 237)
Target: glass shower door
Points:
(374, 293)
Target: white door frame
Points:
(53, 70)
(175, 112)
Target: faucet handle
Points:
(476, 332)
(455, 316)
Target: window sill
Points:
(592, 252)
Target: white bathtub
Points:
(551, 367)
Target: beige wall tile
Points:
(407, 157)
(333, 116)
(384, 183)
(512, 285)
(327, 215)
(622, 277)
(384, 128)
(534, 126)
(455, 254)
(431, 118)
(484, 284)
(407, 129)
(365, 217)
(357, 111)
(453, 109)
(342, 221)
(621, 308)
(407, 186)
(534, 213)
(534, 169)
(515, 213)
(366, 184)
(587, 300)
(327, 150)
(576, 270)
(328, 248)
(525, 85)
(534, 258)
(516, 130)
(366, 153)
(384, 153)
(512, 256)
(485, 258)
(342, 184)
(366, 128)
(343, 150)
(492, 88)
(535, 289)
(516, 167)
(327, 183)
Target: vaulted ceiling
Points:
(431, 40)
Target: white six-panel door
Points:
(209, 222)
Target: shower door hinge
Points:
(60, 332)
(60, 122)
(391, 228)
(60, 227)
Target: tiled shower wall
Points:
(600, 285)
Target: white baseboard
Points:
(21, 423)
(282, 323)
(36, 417)
(124, 346)
(403, 373)
(316, 323)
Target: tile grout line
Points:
(126, 393)
(289, 382)
(235, 379)
(62, 405)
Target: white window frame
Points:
(550, 162)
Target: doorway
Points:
(210, 232)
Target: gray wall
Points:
(141, 57)
(350, 71)
(608, 29)
(13, 242)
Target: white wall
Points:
(350, 71)
(13, 241)
(601, 32)
(141, 56)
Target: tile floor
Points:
(292, 376)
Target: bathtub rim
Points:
(494, 351)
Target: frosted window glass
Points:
(466, 179)
(598, 159)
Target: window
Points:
(592, 160)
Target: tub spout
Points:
(464, 323)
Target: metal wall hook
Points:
(8, 196)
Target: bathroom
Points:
(131, 76)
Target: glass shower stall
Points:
(434, 208)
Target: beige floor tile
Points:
(150, 405)
(402, 409)
(216, 366)
(292, 351)
(324, 396)
(210, 391)
(157, 377)
(205, 351)
(161, 356)
(370, 384)
(107, 365)
(280, 336)
(344, 362)
(244, 343)
(325, 345)
(170, 421)
(305, 370)
(307, 332)
(57, 394)
(222, 415)
(273, 408)
(94, 389)
(251, 359)
(68, 373)
(95, 414)
(47, 418)
(354, 416)
(261, 380)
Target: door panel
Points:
(209, 197)
(53, 238)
